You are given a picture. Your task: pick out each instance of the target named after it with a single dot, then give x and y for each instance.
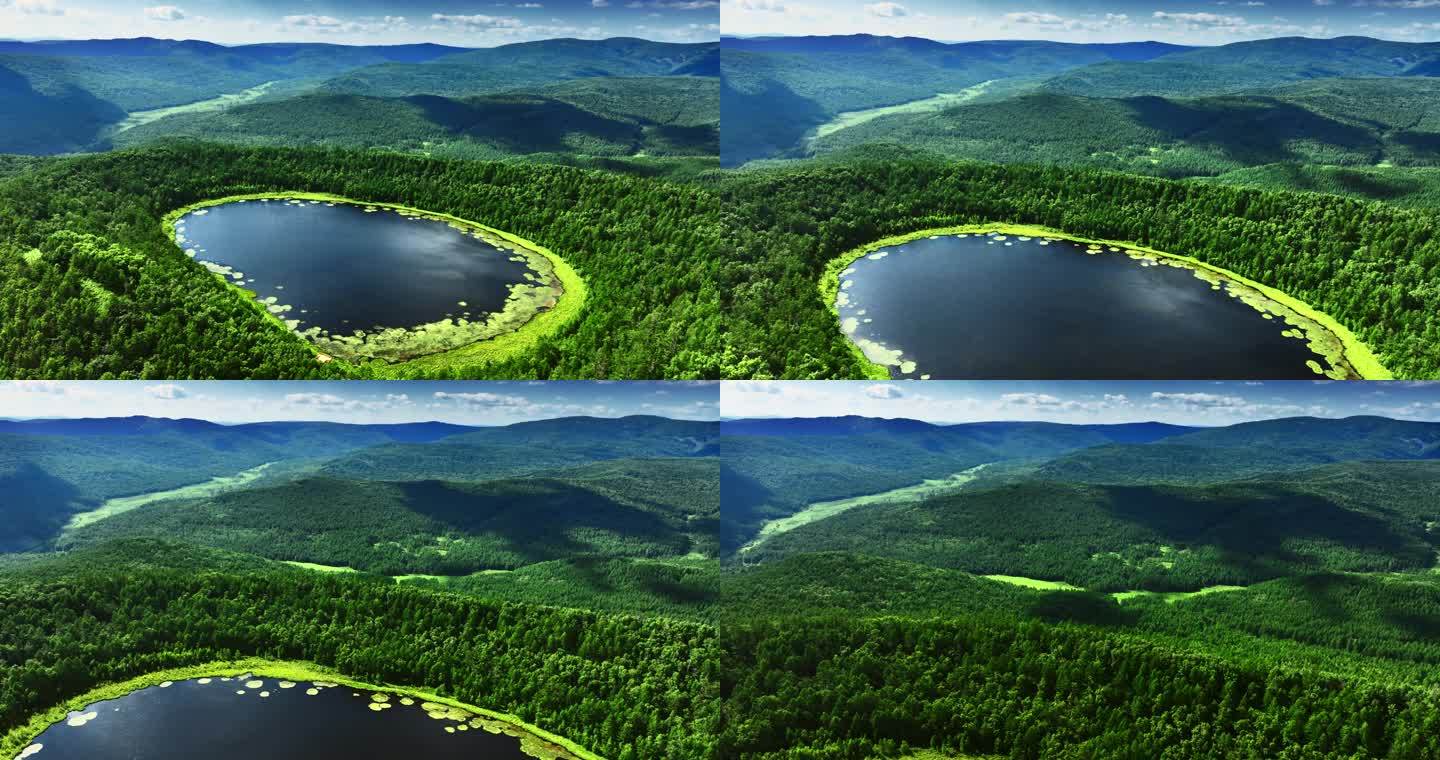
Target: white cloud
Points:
(477, 22)
(529, 5)
(1030, 399)
(884, 391)
(887, 10)
(164, 13)
(167, 391)
(1200, 20)
(1324, 2)
(770, 6)
(1206, 400)
(599, 3)
(1052, 22)
(48, 387)
(675, 5)
(317, 399)
(39, 7)
(484, 399)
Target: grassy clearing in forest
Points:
(824, 509)
(211, 487)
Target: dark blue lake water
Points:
(343, 269)
(190, 720)
(980, 307)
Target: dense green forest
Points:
(566, 572)
(1371, 266)
(847, 688)
(624, 687)
(1262, 589)
(92, 287)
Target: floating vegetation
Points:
(203, 681)
(166, 684)
(287, 684)
(255, 684)
(76, 718)
(312, 691)
(30, 751)
(265, 694)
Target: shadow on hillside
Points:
(41, 124)
(527, 124)
(764, 122)
(35, 507)
(1250, 526)
(540, 520)
(1249, 130)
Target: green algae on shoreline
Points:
(1348, 357)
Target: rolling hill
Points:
(125, 92)
(774, 90)
(1335, 122)
(662, 116)
(775, 468)
(442, 528)
(53, 469)
(522, 65)
(1174, 572)
(1246, 65)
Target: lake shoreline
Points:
(1326, 336)
(16, 739)
(540, 321)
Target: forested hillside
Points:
(777, 89)
(1333, 122)
(1263, 588)
(92, 286)
(53, 469)
(621, 686)
(443, 528)
(1370, 266)
(605, 117)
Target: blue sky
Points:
(467, 403)
(468, 23)
(1201, 22)
(1083, 402)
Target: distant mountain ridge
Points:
(810, 80)
(73, 96)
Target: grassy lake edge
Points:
(1352, 351)
(22, 736)
(499, 348)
